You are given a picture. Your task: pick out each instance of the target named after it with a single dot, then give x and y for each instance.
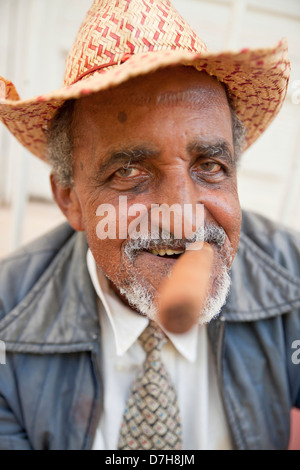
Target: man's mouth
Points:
(166, 252)
(169, 250)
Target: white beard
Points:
(141, 295)
(141, 298)
(215, 302)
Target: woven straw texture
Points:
(122, 28)
(120, 39)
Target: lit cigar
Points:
(182, 296)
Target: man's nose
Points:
(178, 187)
(181, 198)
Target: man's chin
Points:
(153, 269)
(141, 299)
(141, 295)
(139, 278)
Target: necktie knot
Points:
(152, 338)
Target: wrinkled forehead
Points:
(164, 88)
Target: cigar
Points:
(182, 296)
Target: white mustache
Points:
(162, 240)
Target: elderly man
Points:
(147, 113)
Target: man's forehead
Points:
(182, 85)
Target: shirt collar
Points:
(127, 325)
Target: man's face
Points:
(163, 138)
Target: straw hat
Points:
(121, 39)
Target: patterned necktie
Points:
(151, 419)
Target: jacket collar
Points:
(261, 287)
(60, 313)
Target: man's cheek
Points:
(226, 212)
(107, 254)
(106, 250)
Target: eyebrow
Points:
(126, 156)
(221, 149)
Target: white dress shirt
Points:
(187, 358)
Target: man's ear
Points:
(67, 199)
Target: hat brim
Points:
(256, 82)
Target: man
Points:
(148, 113)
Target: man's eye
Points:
(127, 172)
(210, 167)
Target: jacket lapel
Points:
(59, 314)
